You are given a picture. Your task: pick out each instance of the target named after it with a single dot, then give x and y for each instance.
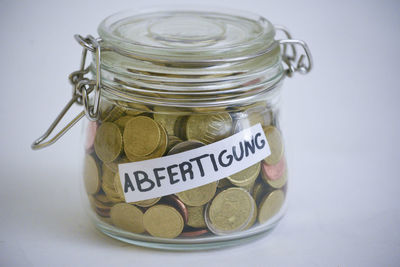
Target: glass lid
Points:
(188, 34)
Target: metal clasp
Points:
(293, 62)
(81, 92)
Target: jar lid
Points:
(186, 35)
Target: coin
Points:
(199, 195)
(246, 177)
(172, 141)
(108, 185)
(108, 175)
(270, 205)
(91, 175)
(196, 217)
(135, 109)
(146, 203)
(121, 122)
(252, 220)
(275, 144)
(111, 194)
(102, 212)
(278, 183)
(179, 127)
(113, 114)
(248, 187)
(209, 128)
(108, 142)
(141, 136)
(194, 233)
(127, 217)
(113, 166)
(166, 117)
(274, 172)
(231, 210)
(258, 191)
(163, 221)
(172, 200)
(185, 146)
(224, 183)
(160, 150)
(91, 135)
(101, 201)
(118, 187)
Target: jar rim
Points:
(188, 34)
(189, 57)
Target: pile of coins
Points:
(130, 132)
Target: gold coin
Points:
(248, 187)
(275, 144)
(224, 183)
(127, 217)
(198, 196)
(270, 205)
(113, 166)
(246, 177)
(185, 146)
(162, 148)
(196, 217)
(172, 141)
(166, 117)
(91, 175)
(134, 109)
(108, 175)
(108, 142)
(258, 191)
(112, 194)
(142, 136)
(159, 152)
(101, 201)
(102, 198)
(163, 221)
(230, 211)
(209, 128)
(108, 185)
(253, 219)
(278, 183)
(146, 203)
(179, 127)
(121, 122)
(113, 114)
(118, 187)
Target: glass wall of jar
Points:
(184, 148)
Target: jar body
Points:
(242, 206)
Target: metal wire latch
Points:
(292, 61)
(82, 89)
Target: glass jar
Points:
(184, 148)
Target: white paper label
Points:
(186, 170)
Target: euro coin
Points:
(163, 221)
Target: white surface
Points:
(341, 125)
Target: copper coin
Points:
(274, 172)
(194, 233)
(91, 134)
(179, 205)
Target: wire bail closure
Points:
(84, 87)
(293, 62)
(81, 91)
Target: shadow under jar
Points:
(184, 149)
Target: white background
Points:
(341, 126)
